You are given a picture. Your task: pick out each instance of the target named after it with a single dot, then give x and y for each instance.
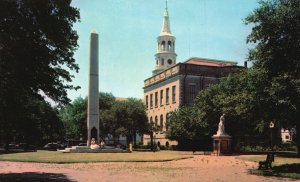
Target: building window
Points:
(167, 96)
(156, 99)
(161, 123)
(192, 94)
(151, 121)
(167, 121)
(169, 61)
(163, 45)
(147, 101)
(162, 61)
(156, 122)
(173, 94)
(169, 45)
(151, 101)
(161, 97)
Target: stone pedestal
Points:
(221, 144)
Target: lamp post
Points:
(271, 125)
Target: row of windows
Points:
(167, 99)
(160, 125)
(170, 46)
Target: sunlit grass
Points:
(282, 166)
(59, 157)
(277, 161)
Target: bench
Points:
(267, 164)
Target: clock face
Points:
(169, 61)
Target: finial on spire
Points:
(166, 4)
(166, 23)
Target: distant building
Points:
(173, 85)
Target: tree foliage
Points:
(116, 118)
(37, 44)
(187, 128)
(240, 97)
(128, 118)
(276, 33)
(74, 117)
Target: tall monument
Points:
(93, 97)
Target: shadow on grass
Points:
(287, 168)
(33, 176)
(285, 171)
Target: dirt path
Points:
(199, 168)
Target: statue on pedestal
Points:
(221, 127)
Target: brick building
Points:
(173, 85)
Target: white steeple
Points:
(165, 56)
(166, 23)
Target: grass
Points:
(282, 166)
(59, 157)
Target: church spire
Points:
(165, 56)
(166, 23)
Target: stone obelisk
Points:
(93, 97)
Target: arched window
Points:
(163, 45)
(162, 61)
(151, 120)
(169, 61)
(167, 144)
(94, 134)
(161, 122)
(156, 122)
(169, 45)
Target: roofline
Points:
(196, 65)
(212, 60)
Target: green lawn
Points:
(282, 166)
(59, 157)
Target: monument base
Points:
(221, 144)
(86, 149)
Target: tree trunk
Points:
(298, 138)
(7, 141)
(151, 141)
(134, 140)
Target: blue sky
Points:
(127, 37)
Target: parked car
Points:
(27, 147)
(52, 146)
(22, 146)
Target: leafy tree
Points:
(276, 34)
(74, 117)
(39, 125)
(186, 127)
(243, 98)
(129, 118)
(106, 101)
(37, 44)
